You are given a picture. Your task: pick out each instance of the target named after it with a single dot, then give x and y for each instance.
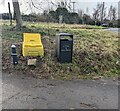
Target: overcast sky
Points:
(80, 4)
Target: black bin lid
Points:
(64, 34)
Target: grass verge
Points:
(95, 52)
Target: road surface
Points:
(23, 92)
(113, 29)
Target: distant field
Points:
(95, 52)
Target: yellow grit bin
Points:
(32, 45)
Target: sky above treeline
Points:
(45, 5)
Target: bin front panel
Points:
(65, 51)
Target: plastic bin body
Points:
(64, 47)
(14, 55)
(32, 45)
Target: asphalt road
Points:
(113, 29)
(22, 92)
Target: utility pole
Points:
(73, 6)
(10, 15)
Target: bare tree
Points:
(17, 13)
(103, 12)
(2, 2)
(96, 14)
(118, 20)
(10, 14)
(38, 5)
(65, 4)
(99, 12)
(81, 13)
(112, 13)
(87, 10)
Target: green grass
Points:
(95, 52)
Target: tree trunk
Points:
(10, 15)
(17, 13)
(102, 12)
